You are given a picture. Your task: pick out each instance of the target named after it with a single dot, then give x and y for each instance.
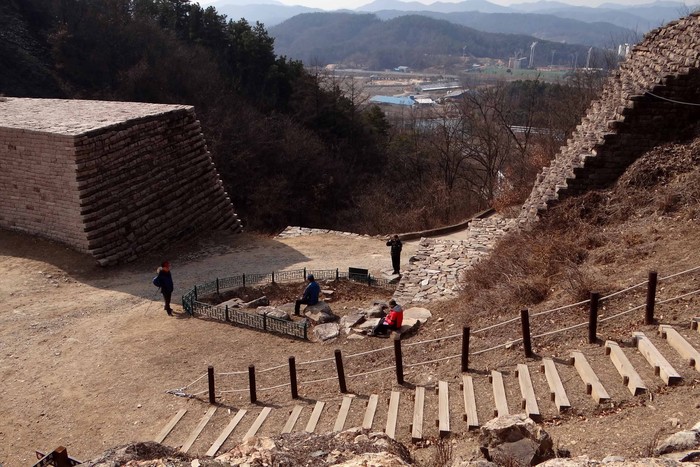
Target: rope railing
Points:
(399, 366)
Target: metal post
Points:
(264, 322)
(293, 377)
(399, 360)
(304, 274)
(212, 392)
(465, 349)
(244, 281)
(195, 292)
(593, 318)
(337, 274)
(651, 298)
(273, 277)
(251, 382)
(228, 318)
(369, 279)
(525, 322)
(341, 372)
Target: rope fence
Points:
(398, 364)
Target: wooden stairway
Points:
(540, 394)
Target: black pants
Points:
(298, 304)
(396, 262)
(382, 327)
(167, 296)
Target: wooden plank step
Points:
(292, 420)
(226, 433)
(470, 415)
(499, 394)
(315, 415)
(392, 415)
(593, 385)
(198, 429)
(630, 377)
(418, 405)
(443, 408)
(169, 426)
(556, 388)
(662, 368)
(681, 345)
(369, 412)
(257, 423)
(342, 413)
(529, 403)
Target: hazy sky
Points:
(352, 4)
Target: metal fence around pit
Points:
(194, 307)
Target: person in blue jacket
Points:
(164, 280)
(310, 296)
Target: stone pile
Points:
(295, 231)
(434, 271)
(640, 107)
(112, 179)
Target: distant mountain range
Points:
(415, 41)
(639, 18)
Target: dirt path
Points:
(86, 353)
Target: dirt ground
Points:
(87, 354)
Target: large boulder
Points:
(686, 443)
(233, 303)
(320, 313)
(417, 313)
(516, 439)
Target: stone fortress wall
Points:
(619, 127)
(112, 179)
(646, 102)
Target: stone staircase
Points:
(542, 389)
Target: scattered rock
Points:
(324, 332)
(352, 320)
(233, 303)
(262, 301)
(515, 438)
(273, 312)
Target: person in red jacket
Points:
(392, 321)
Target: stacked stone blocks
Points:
(627, 120)
(114, 190)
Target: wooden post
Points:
(525, 322)
(465, 349)
(341, 372)
(593, 318)
(251, 382)
(651, 298)
(293, 377)
(60, 457)
(212, 392)
(399, 360)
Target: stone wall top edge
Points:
(75, 117)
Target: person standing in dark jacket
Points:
(396, 246)
(164, 280)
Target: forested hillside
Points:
(414, 40)
(295, 147)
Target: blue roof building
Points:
(391, 100)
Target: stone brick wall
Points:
(641, 106)
(44, 199)
(110, 179)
